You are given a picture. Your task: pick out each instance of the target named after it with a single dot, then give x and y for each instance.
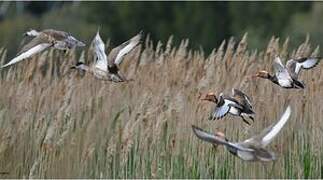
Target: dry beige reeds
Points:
(57, 123)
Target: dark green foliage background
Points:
(206, 24)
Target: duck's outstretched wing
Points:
(117, 54)
(223, 107)
(295, 65)
(208, 137)
(282, 74)
(268, 134)
(242, 97)
(100, 56)
(35, 46)
(279, 68)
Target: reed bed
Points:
(57, 123)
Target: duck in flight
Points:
(43, 40)
(238, 104)
(107, 67)
(252, 149)
(287, 76)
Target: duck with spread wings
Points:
(252, 149)
(107, 67)
(43, 40)
(287, 76)
(238, 104)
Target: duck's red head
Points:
(262, 74)
(210, 97)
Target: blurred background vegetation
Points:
(206, 24)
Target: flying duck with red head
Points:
(287, 76)
(238, 104)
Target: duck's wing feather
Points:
(26, 54)
(268, 134)
(223, 107)
(295, 65)
(282, 74)
(208, 137)
(117, 54)
(40, 39)
(279, 68)
(100, 56)
(57, 35)
(242, 97)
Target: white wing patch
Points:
(276, 128)
(36, 49)
(101, 58)
(124, 51)
(234, 111)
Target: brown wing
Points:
(242, 98)
(114, 52)
(41, 38)
(117, 54)
(57, 35)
